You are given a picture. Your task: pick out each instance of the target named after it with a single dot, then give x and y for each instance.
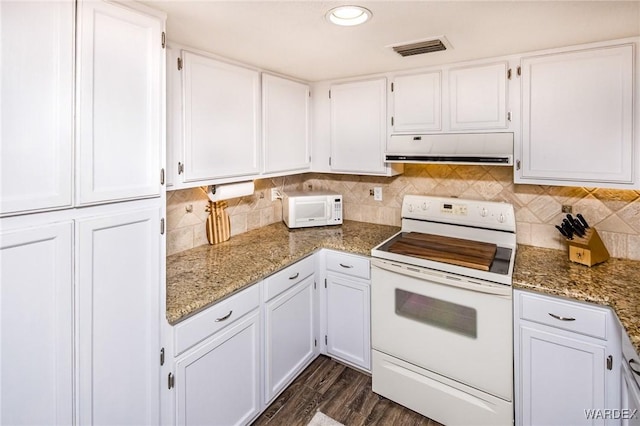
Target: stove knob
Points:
(483, 212)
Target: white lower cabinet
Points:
(289, 323)
(218, 383)
(36, 325)
(567, 359)
(348, 307)
(118, 328)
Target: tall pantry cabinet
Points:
(81, 206)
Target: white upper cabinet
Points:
(285, 125)
(221, 120)
(475, 98)
(417, 102)
(36, 94)
(120, 103)
(358, 126)
(578, 118)
(478, 97)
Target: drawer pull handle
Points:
(346, 266)
(633, 361)
(558, 317)
(294, 276)
(224, 318)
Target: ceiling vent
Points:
(434, 44)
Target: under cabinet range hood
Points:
(452, 148)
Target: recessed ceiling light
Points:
(349, 15)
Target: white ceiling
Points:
(293, 37)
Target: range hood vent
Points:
(452, 148)
(420, 47)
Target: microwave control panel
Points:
(337, 210)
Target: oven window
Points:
(438, 313)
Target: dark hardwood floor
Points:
(341, 393)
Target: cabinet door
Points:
(417, 102)
(119, 289)
(221, 113)
(348, 320)
(36, 121)
(358, 126)
(285, 124)
(289, 336)
(218, 383)
(577, 117)
(478, 97)
(630, 397)
(36, 326)
(560, 378)
(120, 92)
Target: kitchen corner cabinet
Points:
(348, 304)
(358, 128)
(221, 121)
(118, 328)
(578, 118)
(567, 361)
(36, 139)
(475, 98)
(120, 103)
(36, 325)
(285, 125)
(289, 323)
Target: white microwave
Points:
(303, 209)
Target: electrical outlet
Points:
(566, 209)
(377, 193)
(275, 194)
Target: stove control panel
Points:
(482, 214)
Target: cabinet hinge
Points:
(329, 94)
(162, 226)
(315, 342)
(509, 116)
(509, 74)
(180, 168)
(171, 381)
(610, 362)
(161, 357)
(392, 86)
(325, 283)
(164, 39)
(179, 64)
(517, 164)
(519, 70)
(392, 121)
(309, 159)
(161, 176)
(314, 285)
(325, 340)
(329, 160)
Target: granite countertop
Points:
(614, 283)
(204, 275)
(201, 276)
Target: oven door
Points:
(457, 329)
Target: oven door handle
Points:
(445, 279)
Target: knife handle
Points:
(582, 220)
(562, 231)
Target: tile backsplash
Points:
(615, 213)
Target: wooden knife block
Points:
(218, 224)
(588, 250)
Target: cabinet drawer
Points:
(355, 266)
(571, 316)
(288, 277)
(197, 328)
